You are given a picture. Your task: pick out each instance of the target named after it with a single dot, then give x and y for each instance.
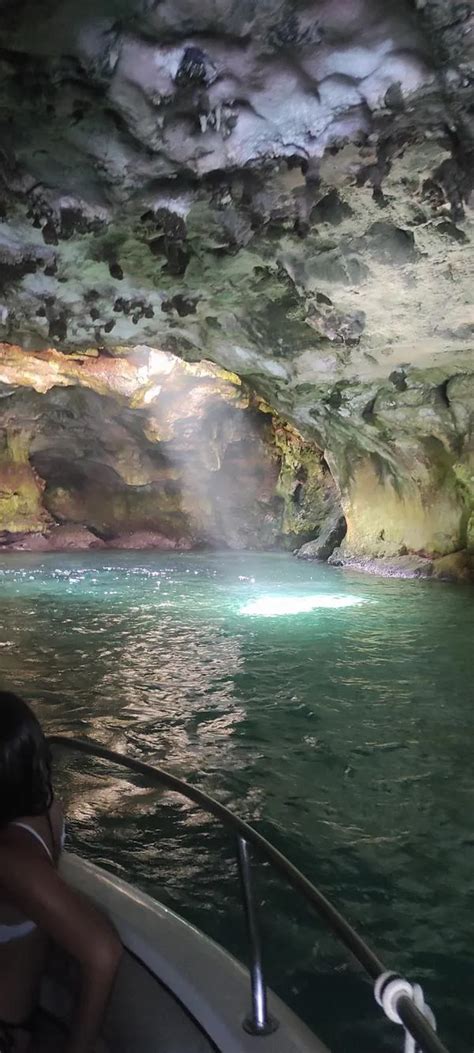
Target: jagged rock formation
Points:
(149, 451)
(280, 186)
(331, 533)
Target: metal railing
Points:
(259, 1022)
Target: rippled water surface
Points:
(332, 710)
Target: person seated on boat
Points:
(36, 904)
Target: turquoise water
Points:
(341, 726)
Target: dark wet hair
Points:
(25, 761)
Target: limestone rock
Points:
(151, 451)
(23, 542)
(396, 567)
(239, 182)
(330, 536)
(458, 566)
(402, 455)
(455, 567)
(58, 539)
(21, 498)
(143, 540)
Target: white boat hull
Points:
(177, 990)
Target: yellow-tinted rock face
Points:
(458, 566)
(21, 497)
(384, 519)
(21, 489)
(402, 454)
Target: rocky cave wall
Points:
(149, 451)
(281, 186)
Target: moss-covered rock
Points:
(21, 494)
(464, 472)
(21, 488)
(307, 489)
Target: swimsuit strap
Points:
(35, 834)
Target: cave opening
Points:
(155, 453)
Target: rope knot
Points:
(389, 988)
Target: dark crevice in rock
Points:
(57, 329)
(391, 244)
(116, 271)
(452, 231)
(398, 379)
(368, 412)
(443, 392)
(180, 304)
(330, 209)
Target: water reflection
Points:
(337, 731)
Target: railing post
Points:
(258, 1022)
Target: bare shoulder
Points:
(21, 864)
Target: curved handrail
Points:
(413, 1020)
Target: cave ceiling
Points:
(281, 187)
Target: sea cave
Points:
(237, 461)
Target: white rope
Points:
(388, 989)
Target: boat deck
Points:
(176, 990)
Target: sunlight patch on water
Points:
(275, 606)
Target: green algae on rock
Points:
(21, 488)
